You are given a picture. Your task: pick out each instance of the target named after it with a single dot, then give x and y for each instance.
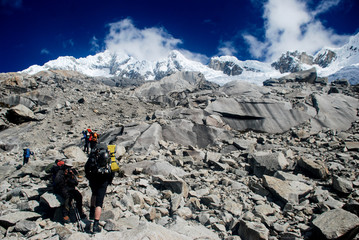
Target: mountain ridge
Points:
(329, 62)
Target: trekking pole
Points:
(78, 217)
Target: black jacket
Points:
(65, 181)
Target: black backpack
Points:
(98, 165)
(103, 162)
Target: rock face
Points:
(291, 62)
(227, 67)
(198, 160)
(325, 58)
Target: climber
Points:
(65, 185)
(93, 139)
(98, 172)
(27, 153)
(86, 136)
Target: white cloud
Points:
(95, 47)
(226, 48)
(45, 51)
(325, 6)
(289, 26)
(144, 44)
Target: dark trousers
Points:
(26, 160)
(87, 146)
(99, 191)
(72, 194)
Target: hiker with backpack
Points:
(86, 136)
(93, 139)
(98, 172)
(65, 183)
(27, 153)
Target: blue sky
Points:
(36, 31)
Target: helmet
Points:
(103, 158)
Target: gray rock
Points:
(210, 200)
(352, 146)
(267, 163)
(259, 115)
(20, 114)
(149, 140)
(177, 186)
(228, 67)
(287, 191)
(244, 90)
(52, 200)
(192, 230)
(187, 133)
(309, 76)
(252, 230)
(25, 226)
(12, 218)
(342, 185)
(157, 167)
(313, 168)
(336, 112)
(336, 223)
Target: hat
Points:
(68, 163)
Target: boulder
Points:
(352, 146)
(258, 115)
(157, 167)
(309, 76)
(20, 114)
(337, 223)
(178, 185)
(161, 91)
(51, 200)
(252, 230)
(334, 111)
(287, 191)
(244, 90)
(313, 168)
(187, 133)
(149, 139)
(12, 218)
(267, 163)
(342, 185)
(14, 100)
(76, 154)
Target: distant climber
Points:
(65, 184)
(86, 136)
(27, 153)
(93, 139)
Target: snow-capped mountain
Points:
(334, 63)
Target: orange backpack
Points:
(94, 137)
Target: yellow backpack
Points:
(114, 165)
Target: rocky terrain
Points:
(200, 161)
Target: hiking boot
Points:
(96, 227)
(66, 219)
